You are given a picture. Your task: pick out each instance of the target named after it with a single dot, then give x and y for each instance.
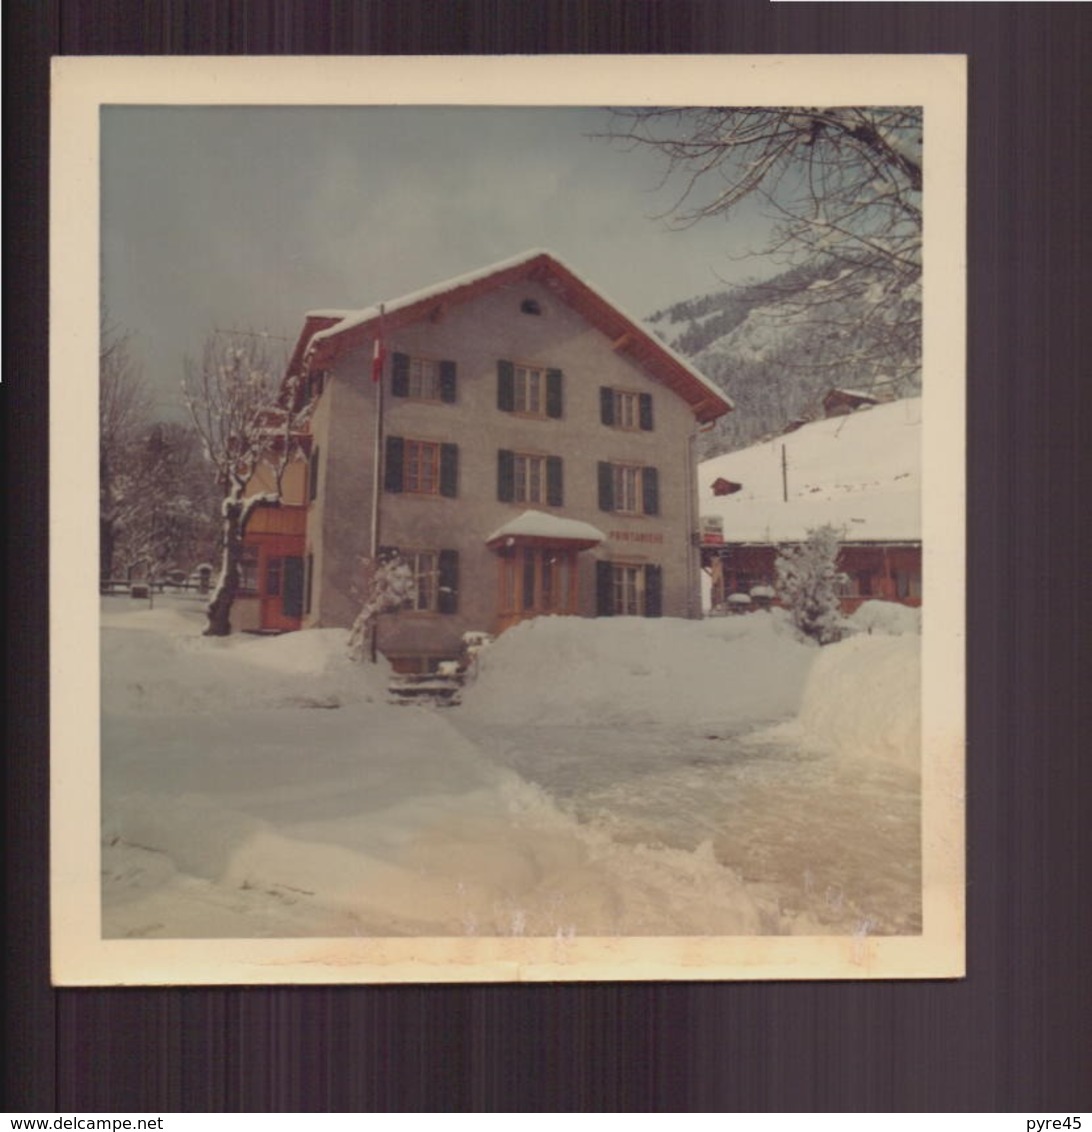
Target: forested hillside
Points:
(778, 346)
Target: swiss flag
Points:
(379, 356)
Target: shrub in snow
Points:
(885, 618)
(389, 585)
(808, 580)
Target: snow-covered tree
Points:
(124, 414)
(388, 585)
(250, 435)
(170, 518)
(842, 190)
(807, 582)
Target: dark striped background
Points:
(1016, 1035)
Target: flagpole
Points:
(378, 362)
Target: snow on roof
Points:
(351, 319)
(358, 318)
(860, 473)
(537, 524)
(859, 393)
(330, 313)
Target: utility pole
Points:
(784, 475)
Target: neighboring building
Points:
(537, 457)
(859, 473)
(721, 486)
(840, 402)
(271, 571)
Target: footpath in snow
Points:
(600, 778)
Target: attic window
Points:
(530, 306)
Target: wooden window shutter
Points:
(604, 607)
(654, 590)
(553, 393)
(606, 487)
(392, 470)
(447, 382)
(308, 584)
(447, 600)
(506, 475)
(292, 598)
(313, 474)
(555, 490)
(449, 470)
(400, 375)
(646, 411)
(650, 491)
(606, 404)
(506, 386)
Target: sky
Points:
(245, 218)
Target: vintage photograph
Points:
(529, 534)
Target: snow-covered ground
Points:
(627, 777)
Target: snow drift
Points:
(730, 672)
(863, 700)
(596, 781)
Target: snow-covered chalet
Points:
(535, 456)
(859, 471)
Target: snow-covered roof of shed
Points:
(860, 394)
(861, 473)
(327, 330)
(539, 524)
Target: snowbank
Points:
(231, 806)
(723, 672)
(888, 618)
(596, 781)
(167, 667)
(863, 700)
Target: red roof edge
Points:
(706, 403)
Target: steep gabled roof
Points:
(326, 334)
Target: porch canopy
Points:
(536, 528)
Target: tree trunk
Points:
(219, 608)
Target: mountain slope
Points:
(778, 346)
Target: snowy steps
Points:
(431, 690)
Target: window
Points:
(421, 467)
(529, 478)
(309, 577)
(435, 576)
(629, 489)
(424, 565)
(423, 379)
(531, 390)
(629, 589)
(248, 570)
(626, 409)
(907, 584)
(536, 580)
(273, 569)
